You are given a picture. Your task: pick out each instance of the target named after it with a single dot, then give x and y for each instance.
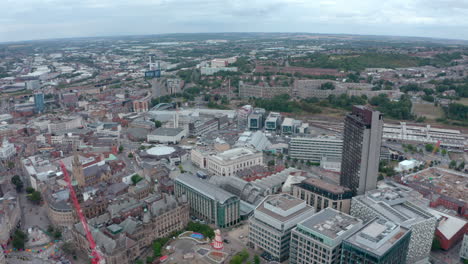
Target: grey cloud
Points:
(30, 19)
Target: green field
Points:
(463, 101)
(428, 110)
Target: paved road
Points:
(447, 257)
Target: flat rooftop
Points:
(233, 154)
(378, 236)
(283, 202)
(167, 131)
(394, 205)
(331, 223)
(288, 122)
(329, 187)
(283, 207)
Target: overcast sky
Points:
(43, 19)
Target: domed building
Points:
(173, 155)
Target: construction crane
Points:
(436, 148)
(95, 256)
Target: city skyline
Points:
(36, 19)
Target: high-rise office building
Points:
(39, 102)
(361, 149)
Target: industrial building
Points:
(167, 135)
(272, 222)
(318, 239)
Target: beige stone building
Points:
(228, 162)
(123, 243)
(59, 210)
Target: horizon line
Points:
(233, 32)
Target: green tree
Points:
(452, 164)
(19, 239)
(149, 259)
(57, 234)
(68, 248)
(256, 259)
(327, 86)
(429, 147)
(444, 152)
(121, 148)
(181, 168)
(29, 190)
(157, 249)
(224, 100)
(35, 197)
(157, 123)
(16, 180)
(271, 163)
(457, 112)
(240, 257)
(380, 177)
(461, 166)
(205, 230)
(130, 155)
(10, 165)
(136, 178)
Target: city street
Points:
(32, 214)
